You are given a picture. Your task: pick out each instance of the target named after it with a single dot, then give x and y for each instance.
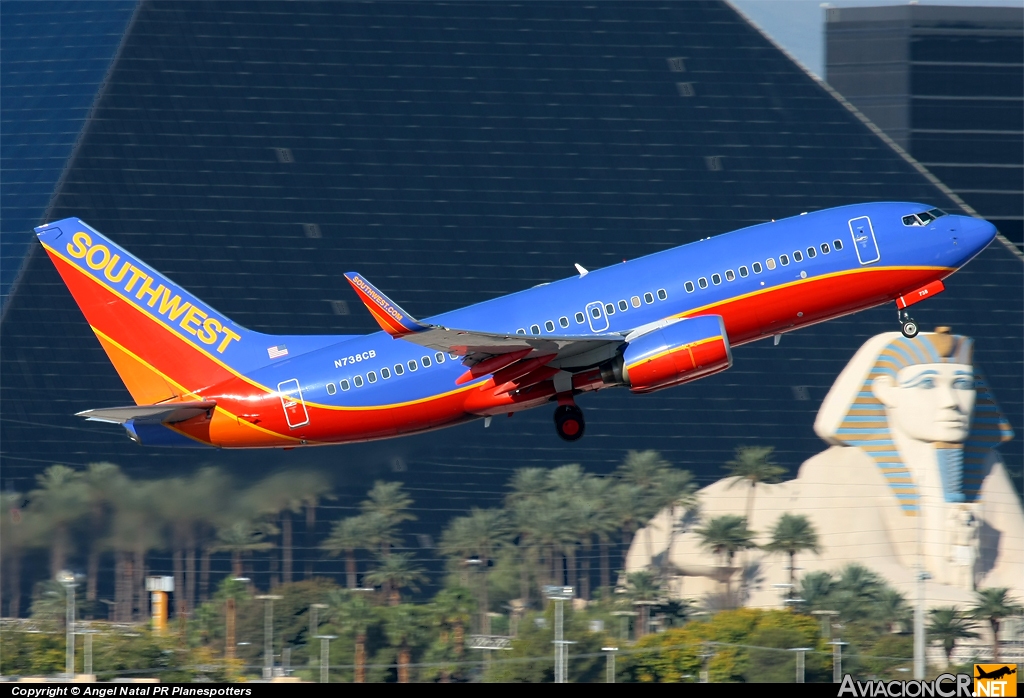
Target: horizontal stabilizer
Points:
(391, 318)
(168, 413)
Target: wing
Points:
(487, 352)
(168, 413)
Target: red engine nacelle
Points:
(677, 353)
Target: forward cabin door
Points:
(864, 240)
(595, 315)
(291, 401)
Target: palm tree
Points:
(892, 609)
(992, 605)
(206, 487)
(629, 508)
(643, 589)
(394, 572)
(948, 625)
(102, 481)
(677, 490)
(792, 534)
(61, 499)
(242, 538)
(816, 589)
(347, 536)
(856, 592)
(725, 536)
(134, 532)
(388, 501)
(597, 492)
(528, 484)
(453, 608)
(477, 536)
(754, 464)
(403, 626)
(352, 612)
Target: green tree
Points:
(754, 465)
(242, 538)
(404, 626)
(792, 534)
(527, 484)
(947, 625)
(102, 481)
(856, 592)
(351, 612)
(476, 537)
(643, 589)
(892, 609)
(725, 536)
(60, 498)
(347, 536)
(453, 608)
(991, 606)
(816, 589)
(389, 501)
(395, 572)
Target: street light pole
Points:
(67, 580)
(800, 662)
(268, 633)
(325, 656)
(559, 595)
(837, 660)
(610, 668)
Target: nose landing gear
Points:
(907, 324)
(569, 422)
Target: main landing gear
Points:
(569, 422)
(907, 324)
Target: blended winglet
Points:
(391, 318)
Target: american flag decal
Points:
(277, 352)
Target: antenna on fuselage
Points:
(583, 272)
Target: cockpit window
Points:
(924, 217)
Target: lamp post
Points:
(559, 595)
(800, 661)
(706, 654)
(609, 676)
(67, 580)
(837, 660)
(826, 621)
(325, 656)
(268, 633)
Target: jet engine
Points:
(674, 353)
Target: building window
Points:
(837, 244)
(425, 360)
(688, 286)
(609, 309)
(372, 376)
(399, 369)
(798, 256)
(412, 364)
(331, 390)
(648, 298)
(534, 329)
(580, 318)
(549, 326)
(756, 266)
(344, 383)
(811, 253)
(358, 381)
(662, 294)
(824, 248)
(563, 322)
(385, 373)
(439, 357)
(770, 263)
(743, 272)
(623, 305)
(702, 282)
(729, 276)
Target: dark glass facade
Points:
(947, 84)
(453, 152)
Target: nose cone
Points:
(974, 235)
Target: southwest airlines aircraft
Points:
(198, 378)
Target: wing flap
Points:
(167, 413)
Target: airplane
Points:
(995, 673)
(200, 379)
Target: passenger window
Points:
(662, 294)
(609, 309)
(798, 256)
(649, 298)
(425, 360)
(743, 272)
(358, 380)
(372, 376)
(452, 356)
(688, 286)
(784, 260)
(520, 331)
(824, 248)
(439, 357)
(331, 390)
(549, 326)
(837, 244)
(623, 305)
(770, 263)
(344, 383)
(534, 329)
(596, 312)
(563, 321)
(635, 301)
(399, 369)
(580, 318)
(812, 253)
(412, 364)
(385, 373)
(729, 276)
(716, 279)
(756, 266)
(702, 282)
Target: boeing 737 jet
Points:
(199, 379)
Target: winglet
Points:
(391, 318)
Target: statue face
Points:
(929, 402)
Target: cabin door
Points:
(864, 240)
(595, 314)
(291, 401)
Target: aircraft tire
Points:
(909, 329)
(569, 422)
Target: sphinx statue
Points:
(911, 480)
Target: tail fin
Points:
(164, 342)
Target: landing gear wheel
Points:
(569, 422)
(909, 328)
